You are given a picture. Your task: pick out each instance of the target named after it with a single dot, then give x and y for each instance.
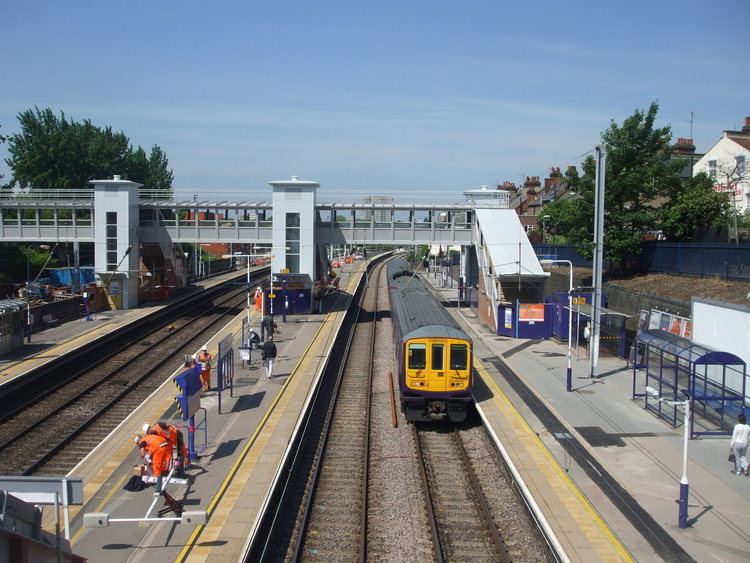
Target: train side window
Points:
(459, 356)
(437, 357)
(417, 355)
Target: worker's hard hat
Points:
(145, 428)
(137, 439)
(205, 348)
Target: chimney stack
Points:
(746, 128)
(532, 184)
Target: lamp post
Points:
(569, 371)
(544, 228)
(684, 486)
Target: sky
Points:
(413, 99)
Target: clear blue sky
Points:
(381, 96)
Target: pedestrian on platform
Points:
(157, 450)
(587, 338)
(258, 299)
(739, 443)
(204, 358)
(268, 355)
(270, 327)
(253, 339)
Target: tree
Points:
(53, 152)
(694, 210)
(640, 174)
(159, 177)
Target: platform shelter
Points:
(713, 381)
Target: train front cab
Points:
(436, 379)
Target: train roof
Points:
(414, 306)
(436, 331)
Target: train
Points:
(434, 355)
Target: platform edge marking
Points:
(601, 524)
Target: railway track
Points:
(352, 488)
(461, 521)
(51, 435)
(333, 525)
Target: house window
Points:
(712, 169)
(740, 164)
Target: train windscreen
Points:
(417, 355)
(459, 356)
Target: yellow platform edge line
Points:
(190, 542)
(614, 540)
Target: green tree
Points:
(640, 175)
(695, 209)
(159, 176)
(54, 152)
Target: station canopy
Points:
(686, 349)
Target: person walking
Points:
(205, 360)
(269, 326)
(739, 443)
(268, 355)
(258, 299)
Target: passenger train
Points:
(435, 355)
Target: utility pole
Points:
(601, 161)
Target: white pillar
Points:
(116, 228)
(291, 197)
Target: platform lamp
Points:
(684, 486)
(544, 228)
(569, 371)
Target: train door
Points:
(438, 370)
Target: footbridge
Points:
(126, 225)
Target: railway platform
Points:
(49, 344)
(245, 447)
(604, 471)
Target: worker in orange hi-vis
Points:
(204, 359)
(258, 299)
(159, 452)
(174, 435)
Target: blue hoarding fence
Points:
(525, 320)
(728, 261)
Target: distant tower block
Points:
(116, 224)
(294, 226)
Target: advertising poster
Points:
(531, 313)
(676, 326)
(665, 321)
(508, 317)
(687, 329)
(653, 322)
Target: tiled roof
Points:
(744, 142)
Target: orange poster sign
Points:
(531, 312)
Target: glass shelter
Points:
(713, 381)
